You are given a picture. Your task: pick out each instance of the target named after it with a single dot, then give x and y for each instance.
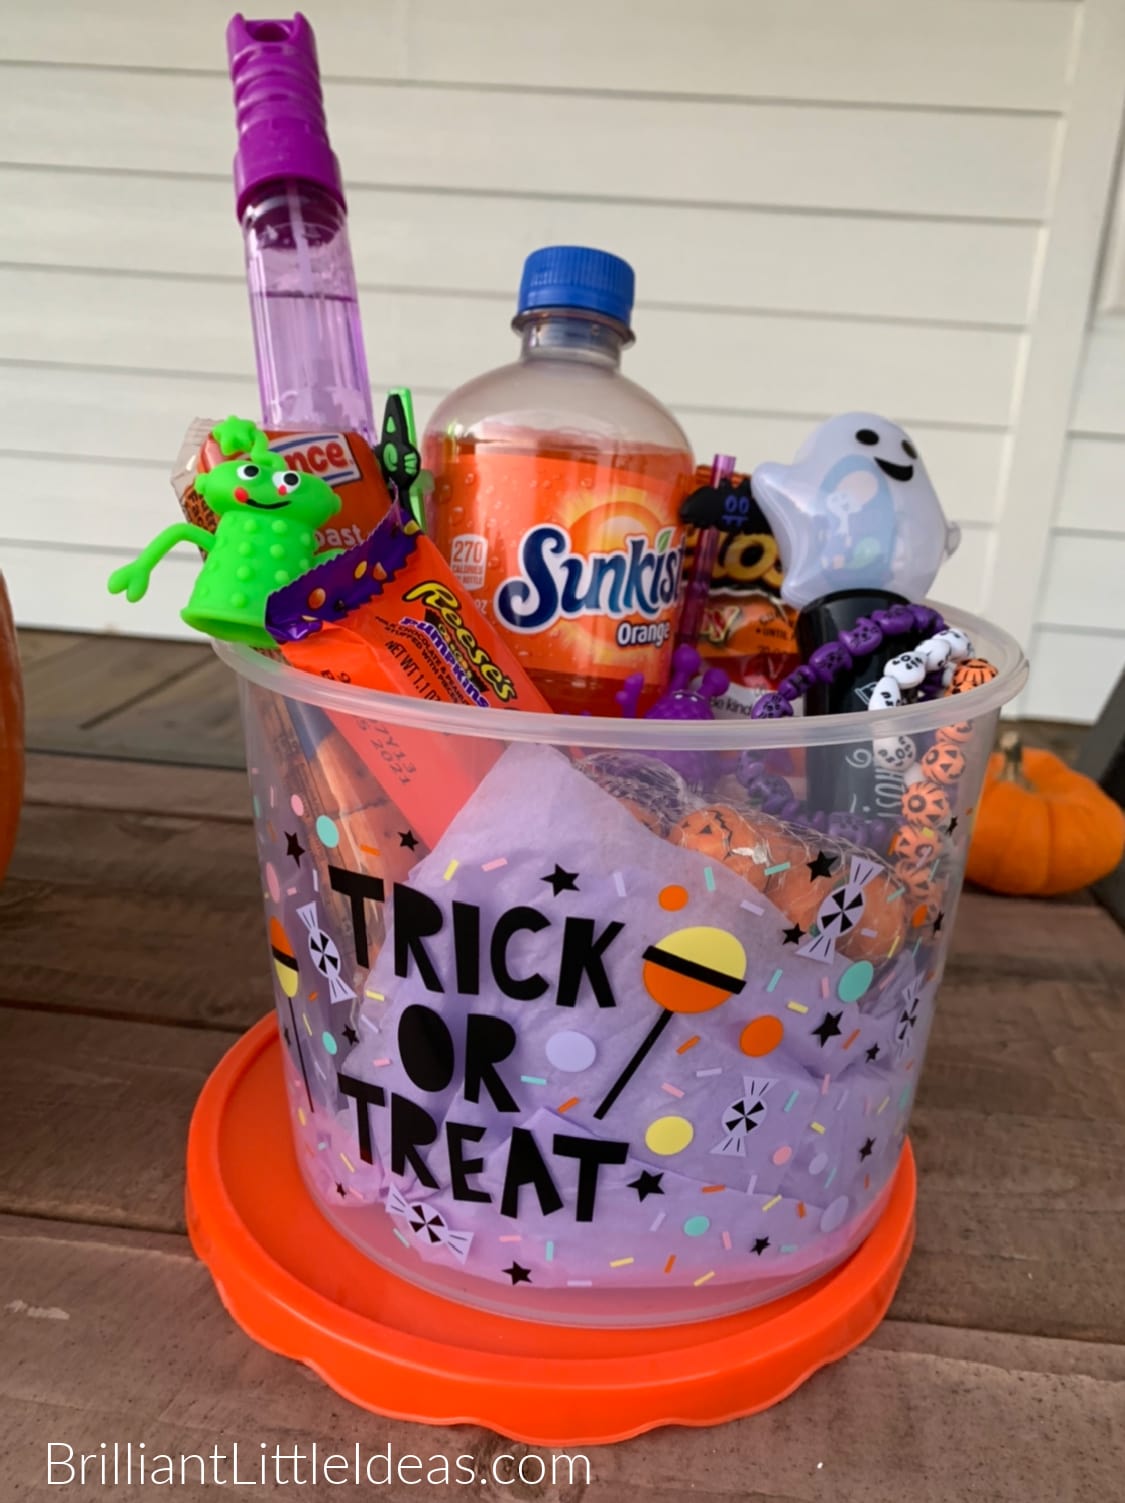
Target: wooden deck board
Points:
(139, 1345)
(192, 717)
(129, 697)
(136, 787)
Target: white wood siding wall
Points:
(894, 204)
(1078, 646)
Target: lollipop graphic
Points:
(288, 976)
(691, 970)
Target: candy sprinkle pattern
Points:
(765, 1119)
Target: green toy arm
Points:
(133, 578)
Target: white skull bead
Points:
(885, 695)
(908, 669)
(895, 753)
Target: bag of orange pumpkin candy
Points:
(797, 872)
(747, 629)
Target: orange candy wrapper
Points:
(389, 615)
(747, 629)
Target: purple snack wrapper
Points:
(343, 583)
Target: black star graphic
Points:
(829, 1027)
(793, 936)
(518, 1275)
(865, 1151)
(938, 922)
(340, 1189)
(351, 1035)
(821, 867)
(873, 1053)
(952, 824)
(293, 847)
(288, 1035)
(408, 839)
(561, 880)
(647, 1184)
(760, 1245)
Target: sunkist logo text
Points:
(555, 583)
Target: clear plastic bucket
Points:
(574, 1028)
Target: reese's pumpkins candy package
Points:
(389, 615)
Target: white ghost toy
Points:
(855, 510)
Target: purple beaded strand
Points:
(831, 658)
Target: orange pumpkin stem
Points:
(1012, 770)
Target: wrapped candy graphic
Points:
(325, 954)
(841, 910)
(429, 1225)
(742, 1117)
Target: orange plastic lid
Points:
(296, 1285)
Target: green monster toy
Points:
(268, 515)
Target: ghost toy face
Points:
(855, 510)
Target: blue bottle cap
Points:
(574, 276)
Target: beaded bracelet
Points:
(947, 658)
(831, 658)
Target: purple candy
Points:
(900, 619)
(863, 637)
(850, 827)
(771, 787)
(827, 661)
(925, 620)
(770, 707)
(749, 768)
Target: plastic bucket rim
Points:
(614, 734)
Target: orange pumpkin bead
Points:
(925, 802)
(971, 674)
(917, 844)
(958, 734)
(915, 879)
(1041, 827)
(943, 763)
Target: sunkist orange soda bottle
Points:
(557, 488)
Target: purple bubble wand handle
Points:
(289, 197)
(703, 564)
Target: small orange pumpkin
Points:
(1041, 827)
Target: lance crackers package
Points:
(344, 460)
